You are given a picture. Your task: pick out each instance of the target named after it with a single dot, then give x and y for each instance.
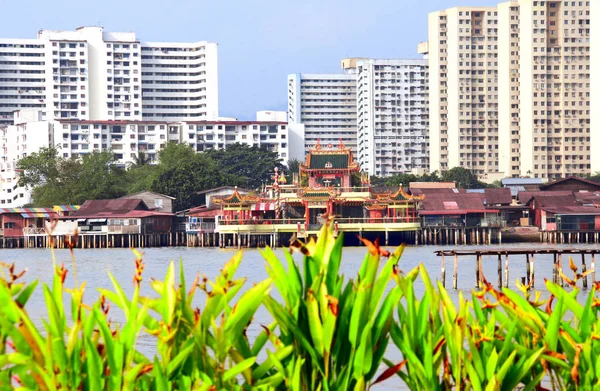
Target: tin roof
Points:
(521, 181)
(456, 203)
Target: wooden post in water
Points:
(527, 269)
(455, 274)
(506, 271)
(593, 268)
(532, 268)
(555, 269)
(499, 270)
(478, 271)
(443, 271)
(583, 270)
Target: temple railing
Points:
(376, 220)
(261, 222)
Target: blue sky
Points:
(260, 41)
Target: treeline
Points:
(463, 178)
(180, 173)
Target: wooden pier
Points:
(99, 240)
(502, 256)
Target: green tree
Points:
(173, 154)
(185, 179)
(99, 178)
(56, 180)
(293, 167)
(140, 159)
(141, 178)
(246, 166)
(39, 167)
(464, 179)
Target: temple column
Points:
(306, 213)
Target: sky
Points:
(260, 41)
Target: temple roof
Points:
(398, 196)
(237, 199)
(317, 194)
(331, 158)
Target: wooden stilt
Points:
(443, 271)
(455, 273)
(583, 270)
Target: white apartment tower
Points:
(326, 105)
(554, 87)
(392, 116)
(510, 89)
(90, 74)
(595, 85)
(463, 98)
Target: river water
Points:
(94, 264)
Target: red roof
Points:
(526, 196)
(116, 122)
(571, 178)
(119, 208)
(235, 122)
(548, 200)
(453, 203)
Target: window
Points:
(9, 225)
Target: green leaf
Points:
(239, 368)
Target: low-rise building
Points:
(154, 201)
(127, 139)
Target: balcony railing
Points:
(261, 222)
(376, 220)
(33, 231)
(200, 226)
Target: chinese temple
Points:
(329, 184)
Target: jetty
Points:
(501, 255)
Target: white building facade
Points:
(392, 116)
(126, 139)
(90, 74)
(511, 89)
(326, 105)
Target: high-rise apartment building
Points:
(326, 105)
(510, 89)
(92, 74)
(463, 98)
(392, 115)
(595, 85)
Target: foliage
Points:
(339, 330)
(186, 178)
(464, 179)
(293, 167)
(247, 166)
(328, 333)
(57, 180)
(180, 173)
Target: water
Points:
(93, 266)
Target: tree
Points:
(99, 178)
(464, 178)
(184, 180)
(293, 166)
(56, 180)
(173, 154)
(39, 167)
(140, 159)
(246, 166)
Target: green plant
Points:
(200, 350)
(339, 329)
(328, 333)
